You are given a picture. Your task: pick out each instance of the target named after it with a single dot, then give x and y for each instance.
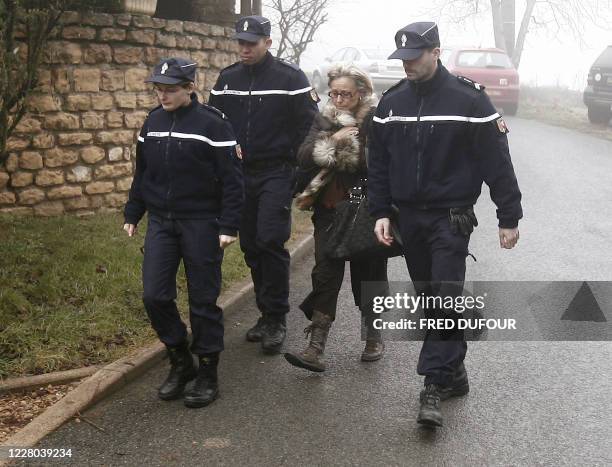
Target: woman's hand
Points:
(131, 229)
(345, 133)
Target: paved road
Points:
(531, 402)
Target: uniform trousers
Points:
(435, 256)
(196, 242)
(265, 228)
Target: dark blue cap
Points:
(173, 71)
(413, 39)
(252, 28)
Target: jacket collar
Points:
(182, 111)
(433, 84)
(259, 67)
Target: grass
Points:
(70, 291)
(560, 107)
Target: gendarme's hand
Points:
(382, 229)
(508, 238)
(226, 240)
(131, 229)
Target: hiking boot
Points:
(429, 413)
(255, 334)
(374, 347)
(275, 331)
(205, 388)
(182, 370)
(312, 357)
(458, 387)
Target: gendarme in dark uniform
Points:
(434, 141)
(271, 106)
(189, 179)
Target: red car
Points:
(489, 67)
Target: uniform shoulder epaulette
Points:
(229, 67)
(399, 83)
(154, 109)
(293, 66)
(470, 83)
(214, 110)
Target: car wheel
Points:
(599, 115)
(511, 109)
(317, 82)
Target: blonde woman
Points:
(335, 150)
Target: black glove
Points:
(462, 220)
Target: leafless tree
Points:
(553, 16)
(297, 22)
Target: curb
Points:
(57, 377)
(116, 375)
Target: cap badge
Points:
(225, 87)
(404, 40)
(391, 113)
(164, 68)
(245, 26)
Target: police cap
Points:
(173, 71)
(252, 28)
(412, 40)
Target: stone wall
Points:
(74, 150)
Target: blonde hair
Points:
(361, 79)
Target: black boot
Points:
(430, 414)
(182, 370)
(459, 386)
(205, 388)
(275, 331)
(255, 334)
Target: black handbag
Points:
(352, 234)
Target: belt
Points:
(264, 164)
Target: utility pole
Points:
(508, 14)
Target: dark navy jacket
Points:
(270, 105)
(433, 144)
(187, 168)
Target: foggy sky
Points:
(546, 60)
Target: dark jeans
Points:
(266, 226)
(433, 254)
(196, 241)
(328, 274)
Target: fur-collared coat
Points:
(324, 161)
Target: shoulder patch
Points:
(394, 86)
(214, 110)
(470, 83)
(501, 126)
(289, 64)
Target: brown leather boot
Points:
(374, 347)
(312, 357)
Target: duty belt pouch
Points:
(462, 220)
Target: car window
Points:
(445, 56)
(605, 59)
(351, 55)
(376, 54)
(337, 57)
(483, 59)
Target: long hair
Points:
(360, 78)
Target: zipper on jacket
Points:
(167, 160)
(251, 79)
(419, 148)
